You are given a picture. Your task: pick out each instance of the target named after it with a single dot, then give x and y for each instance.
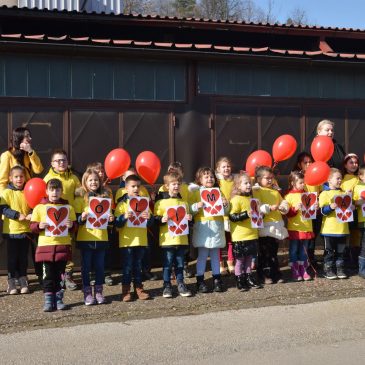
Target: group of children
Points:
(71, 208)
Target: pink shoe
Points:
(295, 271)
(303, 271)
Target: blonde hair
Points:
(333, 171)
(100, 192)
(237, 180)
(171, 177)
(221, 160)
(322, 123)
(294, 177)
(202, 171)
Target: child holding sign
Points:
(244, 235)
(208, 235)
(173, 215)
(359, 199)
(337, 211)
(93, 208)
(300, 228)
(53, 220)
(132, 215)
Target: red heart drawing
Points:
(311, 211)
(51, 228)
(132, 219)
(348, 214)
(141, 220)
(344, 218)
(62, 228)
(138, 206)
(178, 231)
(339, 215)
(172, 228)
(91, 220)
(183, 227)
(97, 224)
(56, 232)
(308, 199)
(307, 215)
(210, 197)
(259, 222)
(177, 215)
(103, 221)
(254, 207)
(254, 219)
(57, 215)
(99, 206)
(208, 209)
(363, 208)
(343, 202)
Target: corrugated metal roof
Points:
(130, 43)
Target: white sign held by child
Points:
(257, 220)
(98, 214)
(362, 196)
(213, 204)
(56, 217)
(177, 221)
(309, 201)
(137, 205)
(343, 210)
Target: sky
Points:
(329, 13)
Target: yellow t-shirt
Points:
(271, 197)
(349, 182)
(297, 223)
(122, 191)
(88, 234)
(330, 224)
(357, 196)
(39, 215)
(313, 189)
(130, 236)
(70, 183)
(160, 210)
(15, 200)
(242, 230)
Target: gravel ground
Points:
(24, 312)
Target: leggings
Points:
(203, 254)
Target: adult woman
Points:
(326, 128)
(20, 153)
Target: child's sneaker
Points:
(167, 291)
(126, 293)
(201, 287)
(217, 284)
(140, 293)
(12, 287)
(329, 273)
(252, 282)
(183, 290)
(108, 280)
(24, 289)
(99, 297)
(88, 297)
(60, 306)
(303, 271)
(48, 302)
(341, 274)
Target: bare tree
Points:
(220, 9)
(297, 17)
(184, 8)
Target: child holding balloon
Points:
(16, 229)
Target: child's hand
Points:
(43, 225)
(145, 214)
(128, 215)
(299, 206)
(249, 213)
(22, 217)
(111, 217)
(353, 207)
(189, 217)
(26, 146)
(274, 207)
(315, 206)
(164, 219)
(28, 217)
(200, 205)
(224, 201)
(83, 216)
(333, 205)
(69, 223)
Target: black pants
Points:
(17, 256)
(52, 275)
(334, 250)
(267, 257)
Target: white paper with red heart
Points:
(98, 213)
(56, 218)
(137, 205)
(213, 204)
(177, 222)
(257, 220)
(362, 196)
(309, 201)
(343, 211)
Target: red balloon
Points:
(258, 158)
(117, 163)
(317, 173)
(322, 148)
(148, 166)
(34, 191)
(284, 147)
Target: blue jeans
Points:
(132, 264)
(173, 255)
(92, 258)
(298, 250)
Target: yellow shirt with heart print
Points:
(357, 196)
(39, 215)
(297, 223)
(88, 234)
(330, 224)
(130, 236)
(242, 230)
(167, 239)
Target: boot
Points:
(362, 267)
(12, 287)
(295, 271)
(140, 293)
(217, 284)
(244, 283)
(60, 306)
(69, 282)
(267, 277)
(48, 302)
(126, 293)
(328, 271)
(201, 287)
(24, 289)
(252, 282)
(99, 297)
(303, 270)
(238, 282)
(230, 265)
(340, 270)
(88, 297)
